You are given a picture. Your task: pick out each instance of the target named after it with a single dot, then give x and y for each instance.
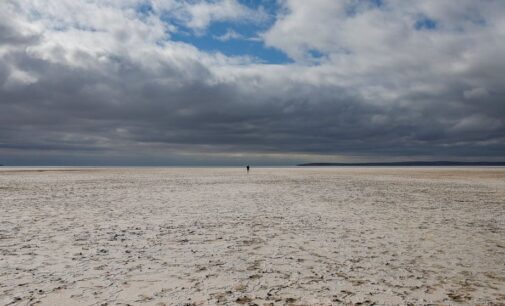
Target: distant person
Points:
(247, 168)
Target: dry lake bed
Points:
(275, 236)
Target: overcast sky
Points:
(172, 82)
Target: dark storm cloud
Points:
(142, 100)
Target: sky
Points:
(265, 82)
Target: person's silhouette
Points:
(247, 168)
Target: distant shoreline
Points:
(399, 164)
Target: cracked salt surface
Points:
(289, 236)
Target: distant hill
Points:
(408, 163)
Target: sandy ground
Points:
(274, 237)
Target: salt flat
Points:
(285, 236)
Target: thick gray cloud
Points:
(90, 82)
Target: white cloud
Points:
(367, 46)
(19, 78)
(203, 13)
(229, 35)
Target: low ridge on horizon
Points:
(409, 163)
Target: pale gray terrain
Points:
(287, 236)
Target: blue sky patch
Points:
(248, 44)
(245, 40)
(426, 23)
(316, 55)
(145, 9)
